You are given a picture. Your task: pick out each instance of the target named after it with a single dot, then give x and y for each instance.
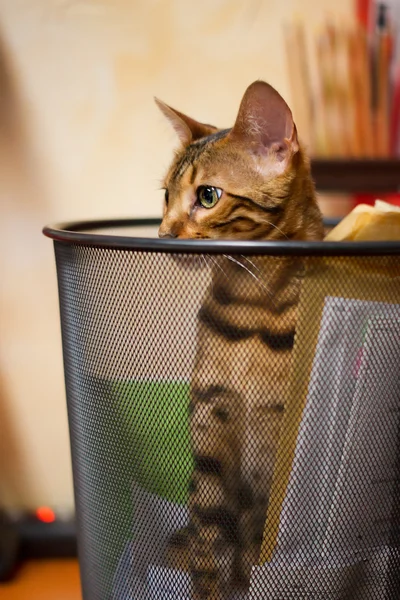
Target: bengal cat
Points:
(250, 182)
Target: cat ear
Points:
(188, 129)
(265, 123)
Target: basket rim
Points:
(76, 233)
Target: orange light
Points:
(45, 514)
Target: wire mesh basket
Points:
(201, 426)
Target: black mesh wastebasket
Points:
(232, 436)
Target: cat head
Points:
(234, 183)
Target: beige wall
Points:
(81, 138)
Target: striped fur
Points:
(246, 326)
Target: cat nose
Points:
(167, 234)
(168, 229)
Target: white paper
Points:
(336, 516)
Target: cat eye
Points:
(208, 195)
(166, 196)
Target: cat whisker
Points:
(204, 257)
(204, 260)
(258, 280)
(278, 229)
(251, 262)
(216, 263)
(255, 267)
(245, 268)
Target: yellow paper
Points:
(365, 223)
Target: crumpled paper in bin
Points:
(380, 222)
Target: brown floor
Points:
(44, 580)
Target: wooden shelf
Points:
(361, 176)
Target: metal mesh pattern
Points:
(328, 526)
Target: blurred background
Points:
(81, 138)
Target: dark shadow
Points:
(18, 163)
(12, 480)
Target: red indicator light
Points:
(45, 514)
